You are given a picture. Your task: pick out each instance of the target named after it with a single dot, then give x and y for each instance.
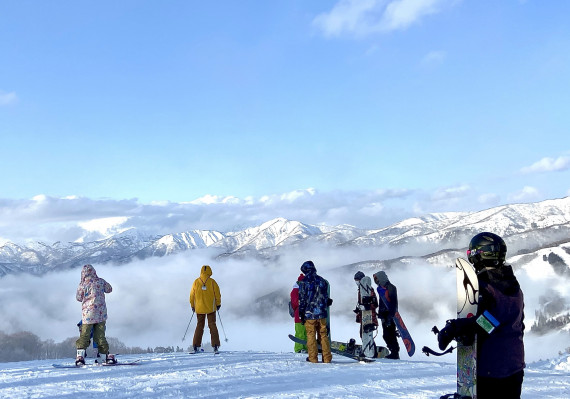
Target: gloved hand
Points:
(447, 334)
(218, 307)
(193, 311)
(383, 314)
(329, 302)
(462, 330)
(356, 310)
(302, 319)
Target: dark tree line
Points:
(25, 345)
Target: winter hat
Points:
(308, 266)
(301, 277)
(381, 278)
(359, 275)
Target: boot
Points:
(80, 358)
(393, 355)
(216, 349)
(110, 359)
(197, 349)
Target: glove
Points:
(448, 334)
(218, 307)
(329, 302)
(356, 310)
(193, 311)
(383, 314)
(461, 330)
(302, 319)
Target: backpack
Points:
(291, 310)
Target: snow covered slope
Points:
(259, 375)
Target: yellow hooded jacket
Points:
(205, 294)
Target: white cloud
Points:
(548, 164)
(526, 194)
(364, 17)
(451, 193)
(436, 57)
(7, 98)
(489, 199)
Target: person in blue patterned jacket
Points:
(313, 310)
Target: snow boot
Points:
(197, 349)
(80, 358)
(393, 355)
(110, 359)
(216, 351)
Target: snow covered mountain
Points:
(526, 227)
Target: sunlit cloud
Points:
(548, 164)
(528, 193)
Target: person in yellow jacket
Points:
(205, 300)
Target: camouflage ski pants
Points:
(98, 337)
(199, 332)
(317, 330)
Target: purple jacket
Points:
(501, 353)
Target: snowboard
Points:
(400, 325)
(73, 366)
(346, 349)
(467, 301)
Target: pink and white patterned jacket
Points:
(91, 293)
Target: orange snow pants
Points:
(317, 330)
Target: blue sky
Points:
(397, 107)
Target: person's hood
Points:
(381, 278)
(205, 272)
(88, 273)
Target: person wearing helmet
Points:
(500, 350)
(313, 310)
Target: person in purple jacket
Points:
(500, 347)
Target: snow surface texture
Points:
(258, 375)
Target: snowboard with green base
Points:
(348, 349)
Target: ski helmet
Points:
(308, 266)
(488, 249)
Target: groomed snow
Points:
(258, 375)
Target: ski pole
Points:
(222, 324)
(184, 337)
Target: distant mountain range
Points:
(537, 236)
(526, 228)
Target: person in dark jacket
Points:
(500, 350)
(313, 310)
(300, 331)
(387, 308)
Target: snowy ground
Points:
(258, 375)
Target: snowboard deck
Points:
(467, 301)
(340, 348)
(402, 329)
(88, 365)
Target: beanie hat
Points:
(359, 275)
